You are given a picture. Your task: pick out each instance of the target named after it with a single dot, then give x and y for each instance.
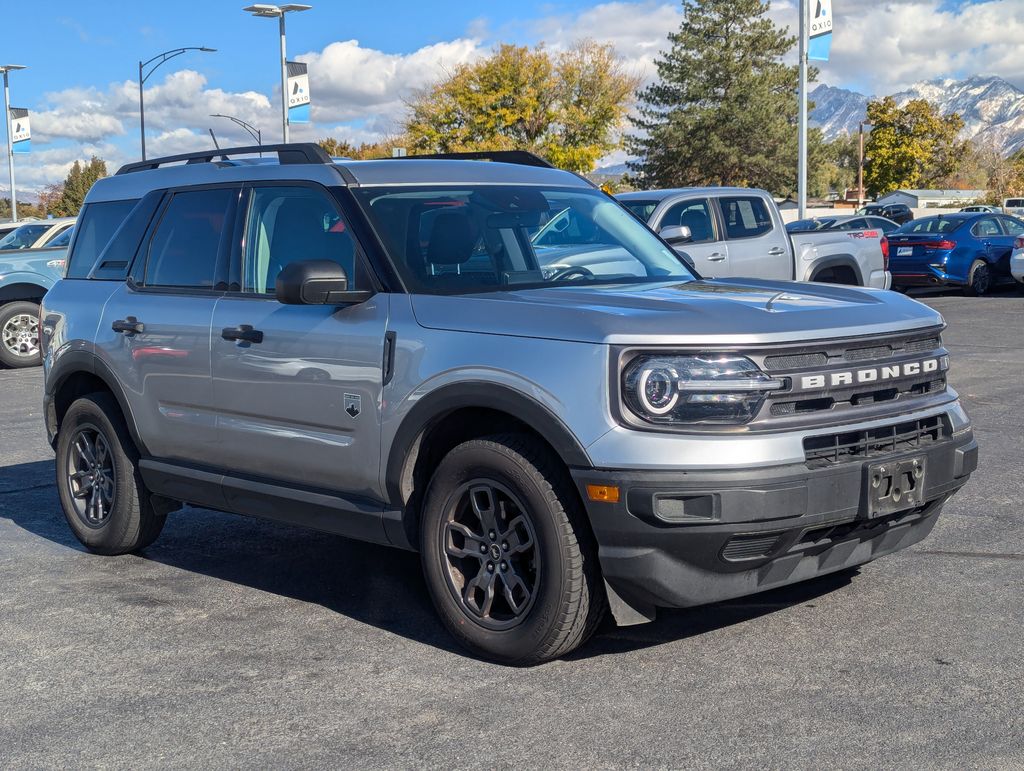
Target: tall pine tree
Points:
(723, 110)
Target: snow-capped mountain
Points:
(992, 109)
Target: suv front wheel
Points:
(101, 490)
(508, 559)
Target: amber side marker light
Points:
(603, 493)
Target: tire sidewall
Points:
(124, 515)
(489, 462)
(979, 265)
(7, 311)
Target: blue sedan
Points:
(967, 249)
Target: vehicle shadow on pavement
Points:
(372, 584)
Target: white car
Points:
(1017, 260)
(1014, 206)
(36, 234)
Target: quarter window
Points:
(183, 251)
(694, 214)
(96, 225)
(292, 224)
(745, 216)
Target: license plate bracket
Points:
(895, 485)
(904, 251)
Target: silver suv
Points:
(561, 419)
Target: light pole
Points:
(143, 77)
(860, 163)
(801, 181)
(254, 132)
(269, 12)
(5, 68)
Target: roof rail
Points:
(298, 152)
(521, 157)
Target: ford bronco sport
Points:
(561, 420)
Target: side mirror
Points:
(316, 282)
(676, 234)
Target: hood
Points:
(730, 312)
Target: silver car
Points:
(562, 420)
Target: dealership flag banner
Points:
(21, 134)
(821, 31)
(298, 93)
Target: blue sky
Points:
(366, 57)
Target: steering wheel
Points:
(572, 270)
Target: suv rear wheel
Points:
(19, 334)
(508, 559)
(101, 490)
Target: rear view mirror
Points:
(676, 234)
(316, 282)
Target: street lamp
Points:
(5, 68)
(269, 12)
(860, 163)
(254, 132)
(159, 59)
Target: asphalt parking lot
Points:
(236, 642)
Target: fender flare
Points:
(837, 261)
(449, 398)
(73, 362)
(15, 286)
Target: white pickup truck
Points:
(736, 231)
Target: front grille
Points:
(830, 449)
(746, 547)
(878, 352)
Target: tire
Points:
(124, 520)
(19, 334)
(547, 594)
(979, 279)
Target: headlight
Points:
(707, 388)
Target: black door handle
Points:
(243, 332)
(128, 326)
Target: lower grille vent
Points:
(746, 547)
(821, 451)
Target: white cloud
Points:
(350, 82)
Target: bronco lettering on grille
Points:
(868, 375)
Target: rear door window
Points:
(745, 216)
(193, 232)
(986, 228)
(96, 224)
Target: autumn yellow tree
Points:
(567, 107)
(911, 146)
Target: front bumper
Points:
(679, 538)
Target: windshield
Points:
(475, 238)
(23, 237)
(931, 225)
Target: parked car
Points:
(25, 276)
(979, 208)
(967, 250)
(843, 222)
(1014, 206)
(554, 440)
(1017, 261)
(899, 213)
(733, 231)
(35, 235)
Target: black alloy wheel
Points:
(490, 550)
(90, 475)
